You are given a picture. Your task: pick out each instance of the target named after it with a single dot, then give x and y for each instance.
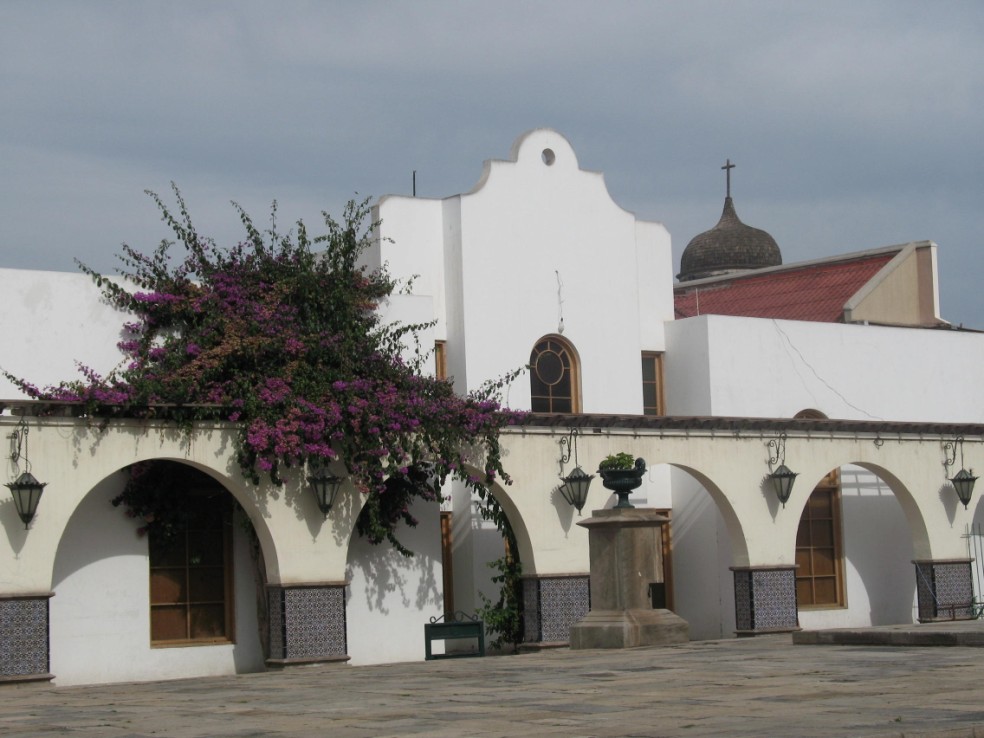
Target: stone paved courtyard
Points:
(757, 687)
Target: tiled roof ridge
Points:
(799, 265)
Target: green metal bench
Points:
(459, 626)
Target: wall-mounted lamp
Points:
(325, 488)
(963, 481)
(575, 485)
(25, 489)
(781, 477)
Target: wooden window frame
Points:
(447, 560)
(656, 359)
(564, 348)
(188, 567)
(829, 485)
(440, 359)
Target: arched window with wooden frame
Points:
(555, 382)
(819, 544)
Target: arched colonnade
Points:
(305, 553)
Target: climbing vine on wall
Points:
(279, 335)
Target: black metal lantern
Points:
(963, 483)
(782, 482)
(25, 489)
(325, 488)
(27, 494)
(575, 488)
(781, 477)
(575, 485)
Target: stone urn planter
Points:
(621, 479)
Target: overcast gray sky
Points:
(853, 124)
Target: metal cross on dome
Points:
(728, 166)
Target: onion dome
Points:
(730, 246)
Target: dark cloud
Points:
(853, 124)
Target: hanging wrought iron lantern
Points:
(575, 485)
(782, 482)
(325, 488)
(963, 482)
(575, 488)
(781, 477)
(26, 489)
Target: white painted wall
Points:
(503, 246)
(391, 597)
(51, 321)
(775, 368)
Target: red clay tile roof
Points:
(815, 292)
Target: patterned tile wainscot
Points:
(551, 606)
(944, 590)
(307, 624)
(765, 599)
(24, 638)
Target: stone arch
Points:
(910, 505)
(703, 553)
(100, 617)
(250, 498)
(516, 521)
(736, 530)
(875, 545)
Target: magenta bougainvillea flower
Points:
(279, 335)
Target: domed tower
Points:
(730, 246)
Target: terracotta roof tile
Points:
(813, 292)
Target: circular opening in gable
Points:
(548, 156)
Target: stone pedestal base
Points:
(626, 558)
(628, 629)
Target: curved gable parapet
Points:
(548, 146)
(542, 152)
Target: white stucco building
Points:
(535, 265)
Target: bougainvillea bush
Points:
(280, 335)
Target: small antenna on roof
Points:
(414, 182)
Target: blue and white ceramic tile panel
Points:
(552, 605)
(307, 623)
(765, 599)
(24, 637)
(774, 598)
(944, 589)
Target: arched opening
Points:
(555, 381)
(487, 562)
(707, 540)
(854, 551)
(126, 596)
(819, 542)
